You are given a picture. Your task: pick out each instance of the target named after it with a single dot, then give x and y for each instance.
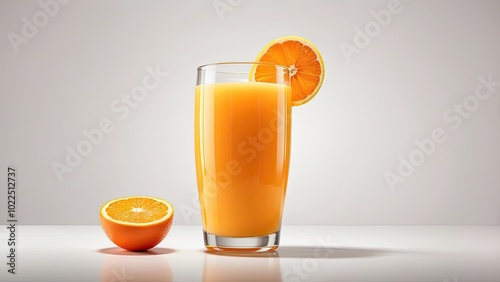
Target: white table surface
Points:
(307, 253)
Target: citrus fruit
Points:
(136, 223)
(301, 57)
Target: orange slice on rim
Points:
(304, 60)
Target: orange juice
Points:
(242, 146)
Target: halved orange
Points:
(304, 60)
(136, 223)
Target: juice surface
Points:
(242, 146)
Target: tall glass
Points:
(242, 146)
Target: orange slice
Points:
(304, 60)
(136, 223)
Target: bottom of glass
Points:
(257, 244)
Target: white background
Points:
(372, 107)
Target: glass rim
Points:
(242, 63)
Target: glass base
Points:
(256, 244)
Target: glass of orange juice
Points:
(242, 147)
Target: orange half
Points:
(301, 57)
(136, 223)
